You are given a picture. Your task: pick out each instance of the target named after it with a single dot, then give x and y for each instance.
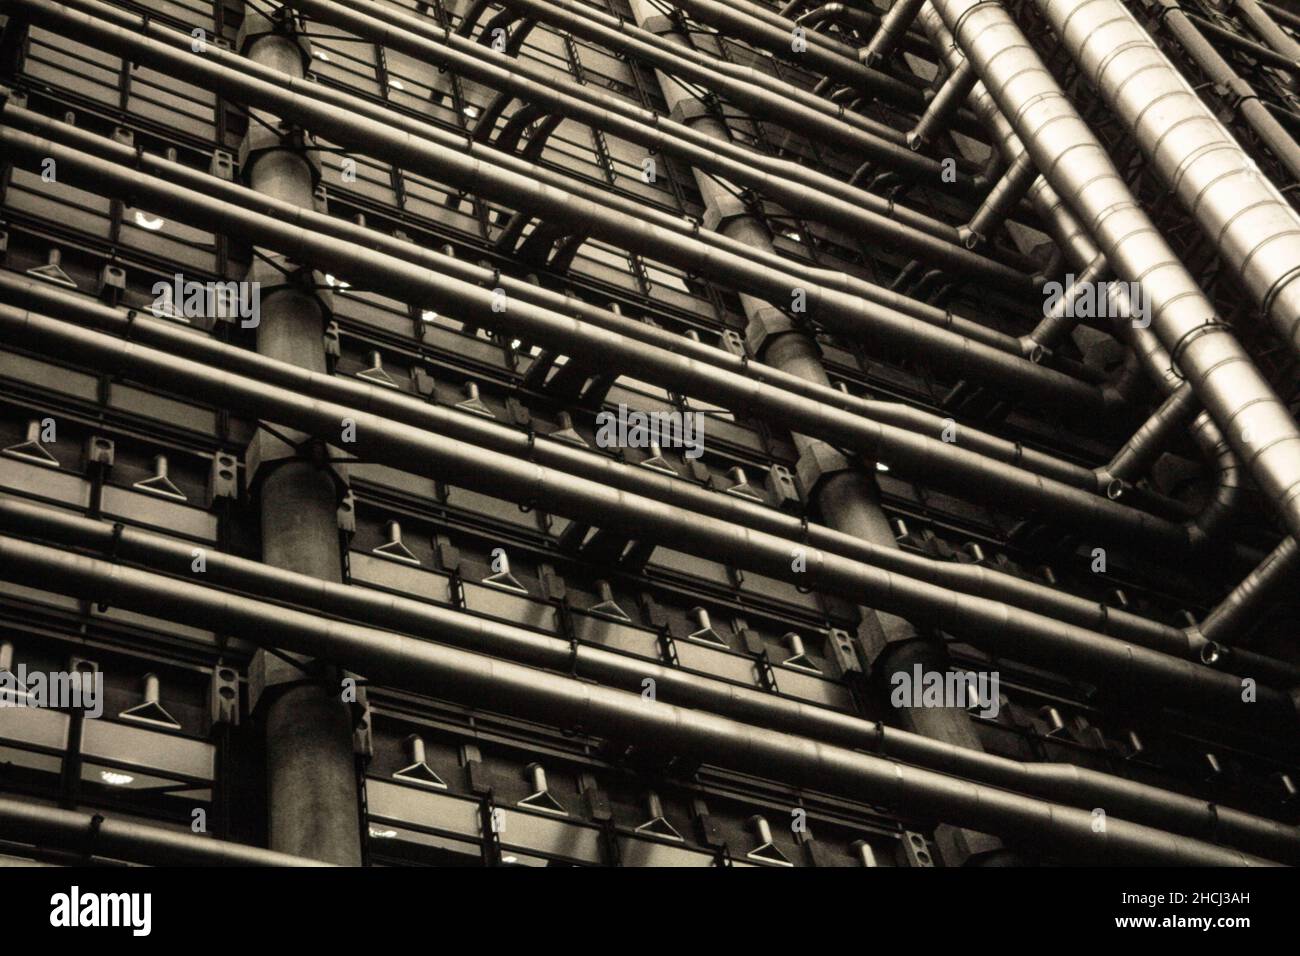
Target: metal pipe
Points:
(1007, 631)
(1240, 95)
(892, 28)
(841, 13)
(1256, 424)
(848, 500)
(797, 188)
(98, 836)
(750, 89)
(1077, 786)
(850, 305)
(674, 493)
(1259, 51)
(951, 95)
(1242, 213)
(777, 37)
(937, 460)
(477, 680)
(1231, 620)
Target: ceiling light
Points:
(115, 779)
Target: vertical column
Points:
(312, 795)
(844, 493)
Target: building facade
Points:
(644, 433)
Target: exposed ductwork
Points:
(478, 680)
(1075, 786)
(928, 458)
(1007, 631)
(1251, 224)
(1254, 421)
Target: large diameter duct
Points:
(1254, 421)
(936, 461)
(1281, 143)
(1066, 783)
(108, 838)
(671, 491)
(1146, 347)
(1006, 631)
(1249, 222)
(850, 305)
(797, 188)
(477, 680)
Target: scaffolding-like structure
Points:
(650, 432)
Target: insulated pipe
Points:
(937, 460)
(797, 188)
(1006, 631)
(1242, 97)
(1077, 786)
(1254, 421)
(1074, 239)
(476, 680)
(673, 492)
(853, 306)
(1242, 213)
(97, 836)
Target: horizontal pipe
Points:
(764, 401)
(797, 188)
(95, 835)
(1076, 786)
(852, 306)
(1006, 631)
(477, 680)
(672, 491)
(936, 461)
